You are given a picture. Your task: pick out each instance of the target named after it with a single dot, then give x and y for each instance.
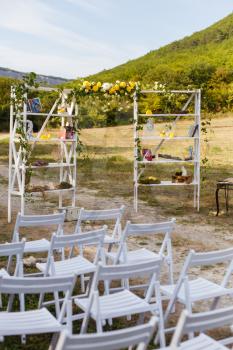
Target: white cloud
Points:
(53, 64)
(55, 48)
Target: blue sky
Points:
(72, 38)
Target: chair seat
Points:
(39, 245)
(115, 305)
(200, 289)
(28, 322)
(202, 342)
(135, 255)
(4, 273)
(77, 265)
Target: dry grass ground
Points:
(105, 173)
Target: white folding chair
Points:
(161, 228)
(36, 222)
(40, 320)
(122, 302)
(138, 337)
(201, 322)
(106, 215)
(189, 291)
(78, 264)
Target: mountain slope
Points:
(180, 62)
(48, 79)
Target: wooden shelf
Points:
(175, 138)
(164, 161)
(50, 140)
(17, 193)
(168, 115)
(169, 183)
(52, 115)
(50, 165)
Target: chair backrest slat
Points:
(113, 340)
(201, 322)
(9, 249)
(101, 215)
(79, 239)
(155, 228)
(40, 220)
(105, 214)
(36, 285)
(117, 272)
(211, 258)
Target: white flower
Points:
(106, 86)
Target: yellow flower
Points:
(171, 135)
(128, 88)
(132, 84)
(86, 84)
(122, 84)
(112, 90)
(99, 84)
(116, 87)
(95, 88)
(148, 111)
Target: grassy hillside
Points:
(204, 59)
(211, 48)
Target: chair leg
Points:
(99, 327)
(57, 305)
(82, 284)
(53, 342)
(141, 318)
(10, 302)
(41, 300)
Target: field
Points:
(105, 174)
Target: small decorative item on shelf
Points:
(150, 125)
(69, 131)
(37, 188)
(167, 132)
(62, 134)
(40, 162)
(192, 130)
(168, 156)
(34, 105)
(150, 180)
(184, 171)
(147, 154)
(182, 176)
(63, 186)
(61, 109)
(69, 109)
(190, 157)
(46, 136)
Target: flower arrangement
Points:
(119, 88)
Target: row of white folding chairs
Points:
(97, 307)
(187, 291)
(42, 321)
(211, 290)
(117, 237)
(121, 303)
(57, 220)
(188, 323)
